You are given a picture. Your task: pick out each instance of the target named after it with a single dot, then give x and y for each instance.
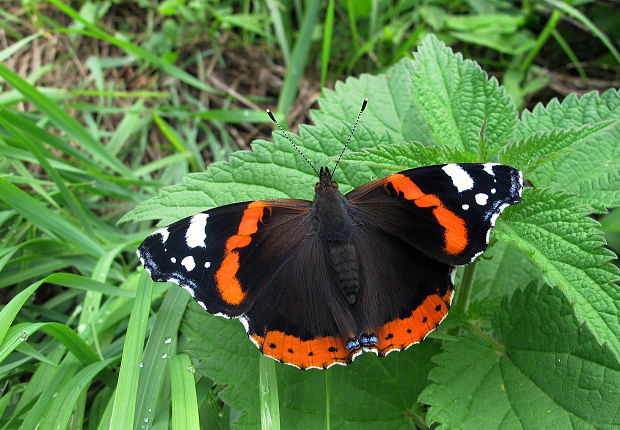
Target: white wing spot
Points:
(493, 190)
(174, 260)
(481, 199)
(189, 263)
(164, 234)
(460, 178)
(488, 167)
(196, 232)
(465, 207)
(207, 264)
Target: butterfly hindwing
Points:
(446, 211)
(251, 261)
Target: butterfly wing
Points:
(446, 211)
(249, 261)
(423, 222)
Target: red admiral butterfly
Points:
(316, 283)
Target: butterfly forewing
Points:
(446, 211)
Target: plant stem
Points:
(462, 304)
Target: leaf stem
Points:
(462, 303)
(328, 397)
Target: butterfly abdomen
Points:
(344, 263)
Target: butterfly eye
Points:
(317, 186)
(335, 185)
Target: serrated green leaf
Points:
(559, 237)
(368, 394)
(500, 271)
(270, 170)
(592, 169)
(386, 159)
(457, 100)
(547, 371)
(530, 153)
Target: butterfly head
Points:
(325, 181)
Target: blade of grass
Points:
(570, 10)
(233, 115)
(328, 29)
(551, 24)
(570, 54)
(59, 412)
(134, 49)
(6, 53)
(64, 121)
(42, 155)
(123, 411)
(176, 142)
(47, 220)
(20, 332)
(183, 394)
(299, 59)
(161, 343)
(12, 308)
(268, 389)
(278, 25)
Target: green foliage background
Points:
(533, 340)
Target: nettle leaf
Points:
(532, 152)
(545, 371)
(500, 271)
(270, 170)
(386, 159)
(457, 100)
(389, 106)
(591, 169)
(369, 395)
(558, 236)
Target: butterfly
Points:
(316, 283)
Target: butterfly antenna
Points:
(364, 103)
(273, 118)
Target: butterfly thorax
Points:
(334, 226)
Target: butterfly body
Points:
(315, 283)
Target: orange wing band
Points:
(228, 285)
(404, 332)
(320, 352)
(455, 232)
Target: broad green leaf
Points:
(457, 100)
(271, 170)
(500, 271)
(559, 237)
(545, 371)
(532, 152)
(368, 394)
(590, 170)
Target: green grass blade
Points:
(328, 30)
(183, 394)
(123, 411)
(268, 392)
(6, 53)
(278, 25)
(63, 120)
(59, 412)
(47, 220)
(20, 332)
(42, 155)
(11, 309)
(135, 50)
(570, 10)
(162, 343)
(299, 59)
